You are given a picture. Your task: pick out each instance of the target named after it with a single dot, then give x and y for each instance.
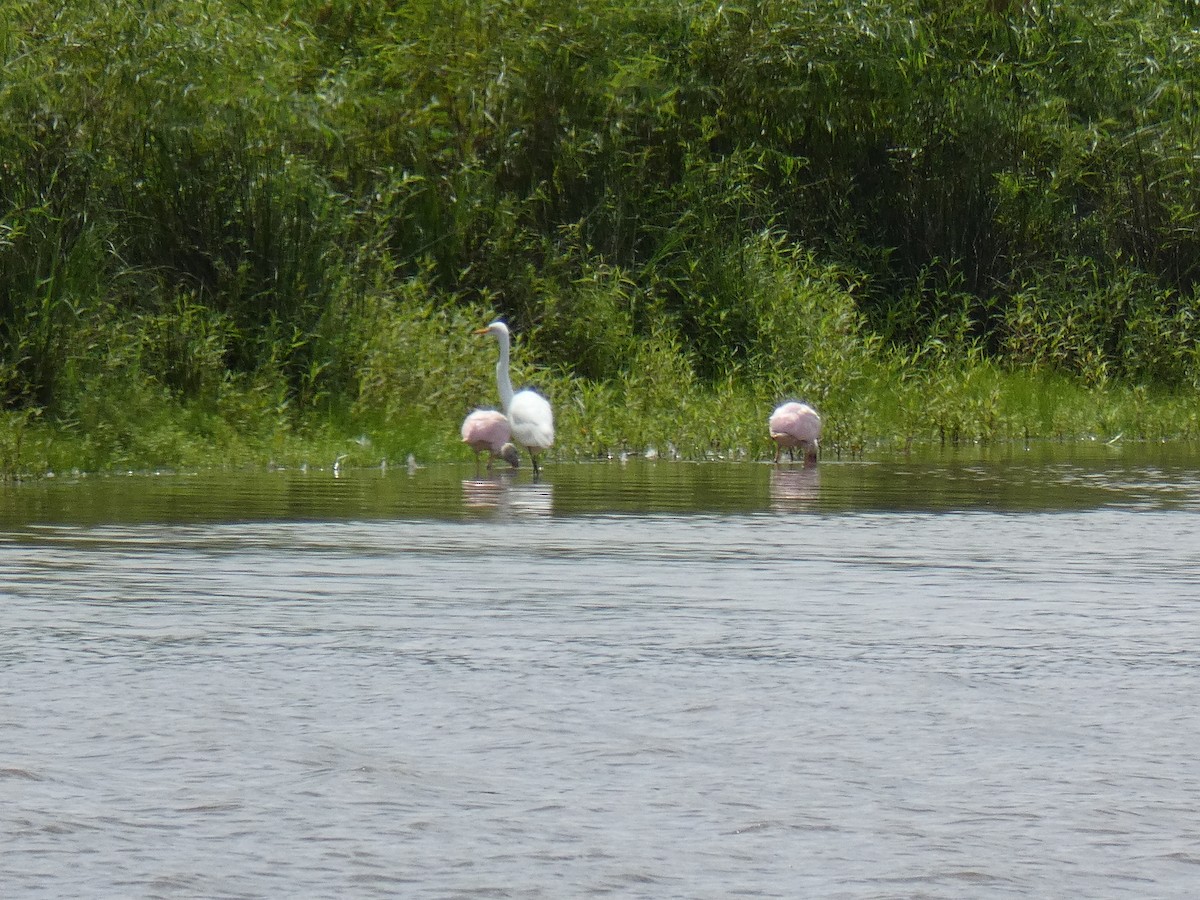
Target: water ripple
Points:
(811, 702)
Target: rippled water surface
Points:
(960, 676)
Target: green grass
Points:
(260, 232)
(907, 410)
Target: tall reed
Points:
(213, 214)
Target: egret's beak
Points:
(480, 331)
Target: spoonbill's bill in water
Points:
(530, 419)
(487, 431)
(795, 425)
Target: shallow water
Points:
(942, 677)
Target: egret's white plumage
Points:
(795, 425)
(530, 418)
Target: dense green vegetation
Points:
(241, 232)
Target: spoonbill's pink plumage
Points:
(486, 430)
(795, 425)
(529, 414)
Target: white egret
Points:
(530, 417)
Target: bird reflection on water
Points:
(502, 493)
(794, 489)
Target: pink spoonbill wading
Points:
(486, 430)
(530, 417)
(795, 425)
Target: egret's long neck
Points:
(503, 382)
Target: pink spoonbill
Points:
(486, 430)
(529, 415)
(795, 425)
